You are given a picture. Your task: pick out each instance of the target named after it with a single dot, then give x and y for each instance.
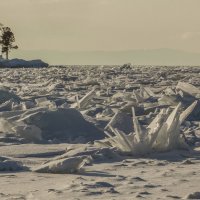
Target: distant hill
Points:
(143, 57)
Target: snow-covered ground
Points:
(111, 132)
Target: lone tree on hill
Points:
(7, 39)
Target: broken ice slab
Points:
(6, 106)
(6, 95)
(121, 121)
(151, 108)
(188, 88)
(30, 133)
(66, 165)
(64, 125)
(44, 102)
(82, 103)
(138, 97)
(6, 164)
(170, 100)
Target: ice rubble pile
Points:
(74, 104)
(162, 134)
(42, 120)
(39, 125)
(141, 110)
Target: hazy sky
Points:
(79, 25)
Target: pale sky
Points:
(87, 25)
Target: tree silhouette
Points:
(7, 40)
(1, 25)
